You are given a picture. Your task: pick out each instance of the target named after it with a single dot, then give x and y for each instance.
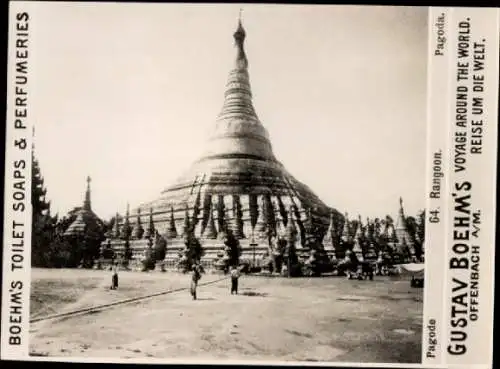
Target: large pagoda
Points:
(237, 185)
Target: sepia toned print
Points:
(228, 184)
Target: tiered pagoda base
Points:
(253, 254)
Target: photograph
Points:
(228, 183)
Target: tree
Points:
(279, 254)
(62, 254)
(108, 226)
(148, 260)
(43, 224)
(420, 232)
(233, 249)
(107, 252)
(196, 251)
(291, 258)
(388, 220)
(160, 247)
(411, 226)
(192, 253)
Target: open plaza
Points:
(276, 319)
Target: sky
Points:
(127, 93)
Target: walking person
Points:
(114, 278)
(235, 274)
(195, 277)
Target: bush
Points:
(108, 253)
(295, 270)
(61, 254)
(160, 249)
(148, 264)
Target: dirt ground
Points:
(303, 319)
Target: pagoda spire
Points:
(328, 238)
(308, 222)
(239, 40)
(238, 130)
(238, 96)
(400, 222)
(368, 229)
(346, 232)
(357, 249)
(222, 220)
(280, 224)
(116, 227)
(210, 232)
(329, 235)
(261, 225)
(291, 229)
(359, 229)
(172, 230)
(401, 231)
(237, 224)
(126, 229)
(86, 203)
(391, 234)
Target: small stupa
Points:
(401, 232)
(86, 224)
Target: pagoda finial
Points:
(86, 203)
(239, 39)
